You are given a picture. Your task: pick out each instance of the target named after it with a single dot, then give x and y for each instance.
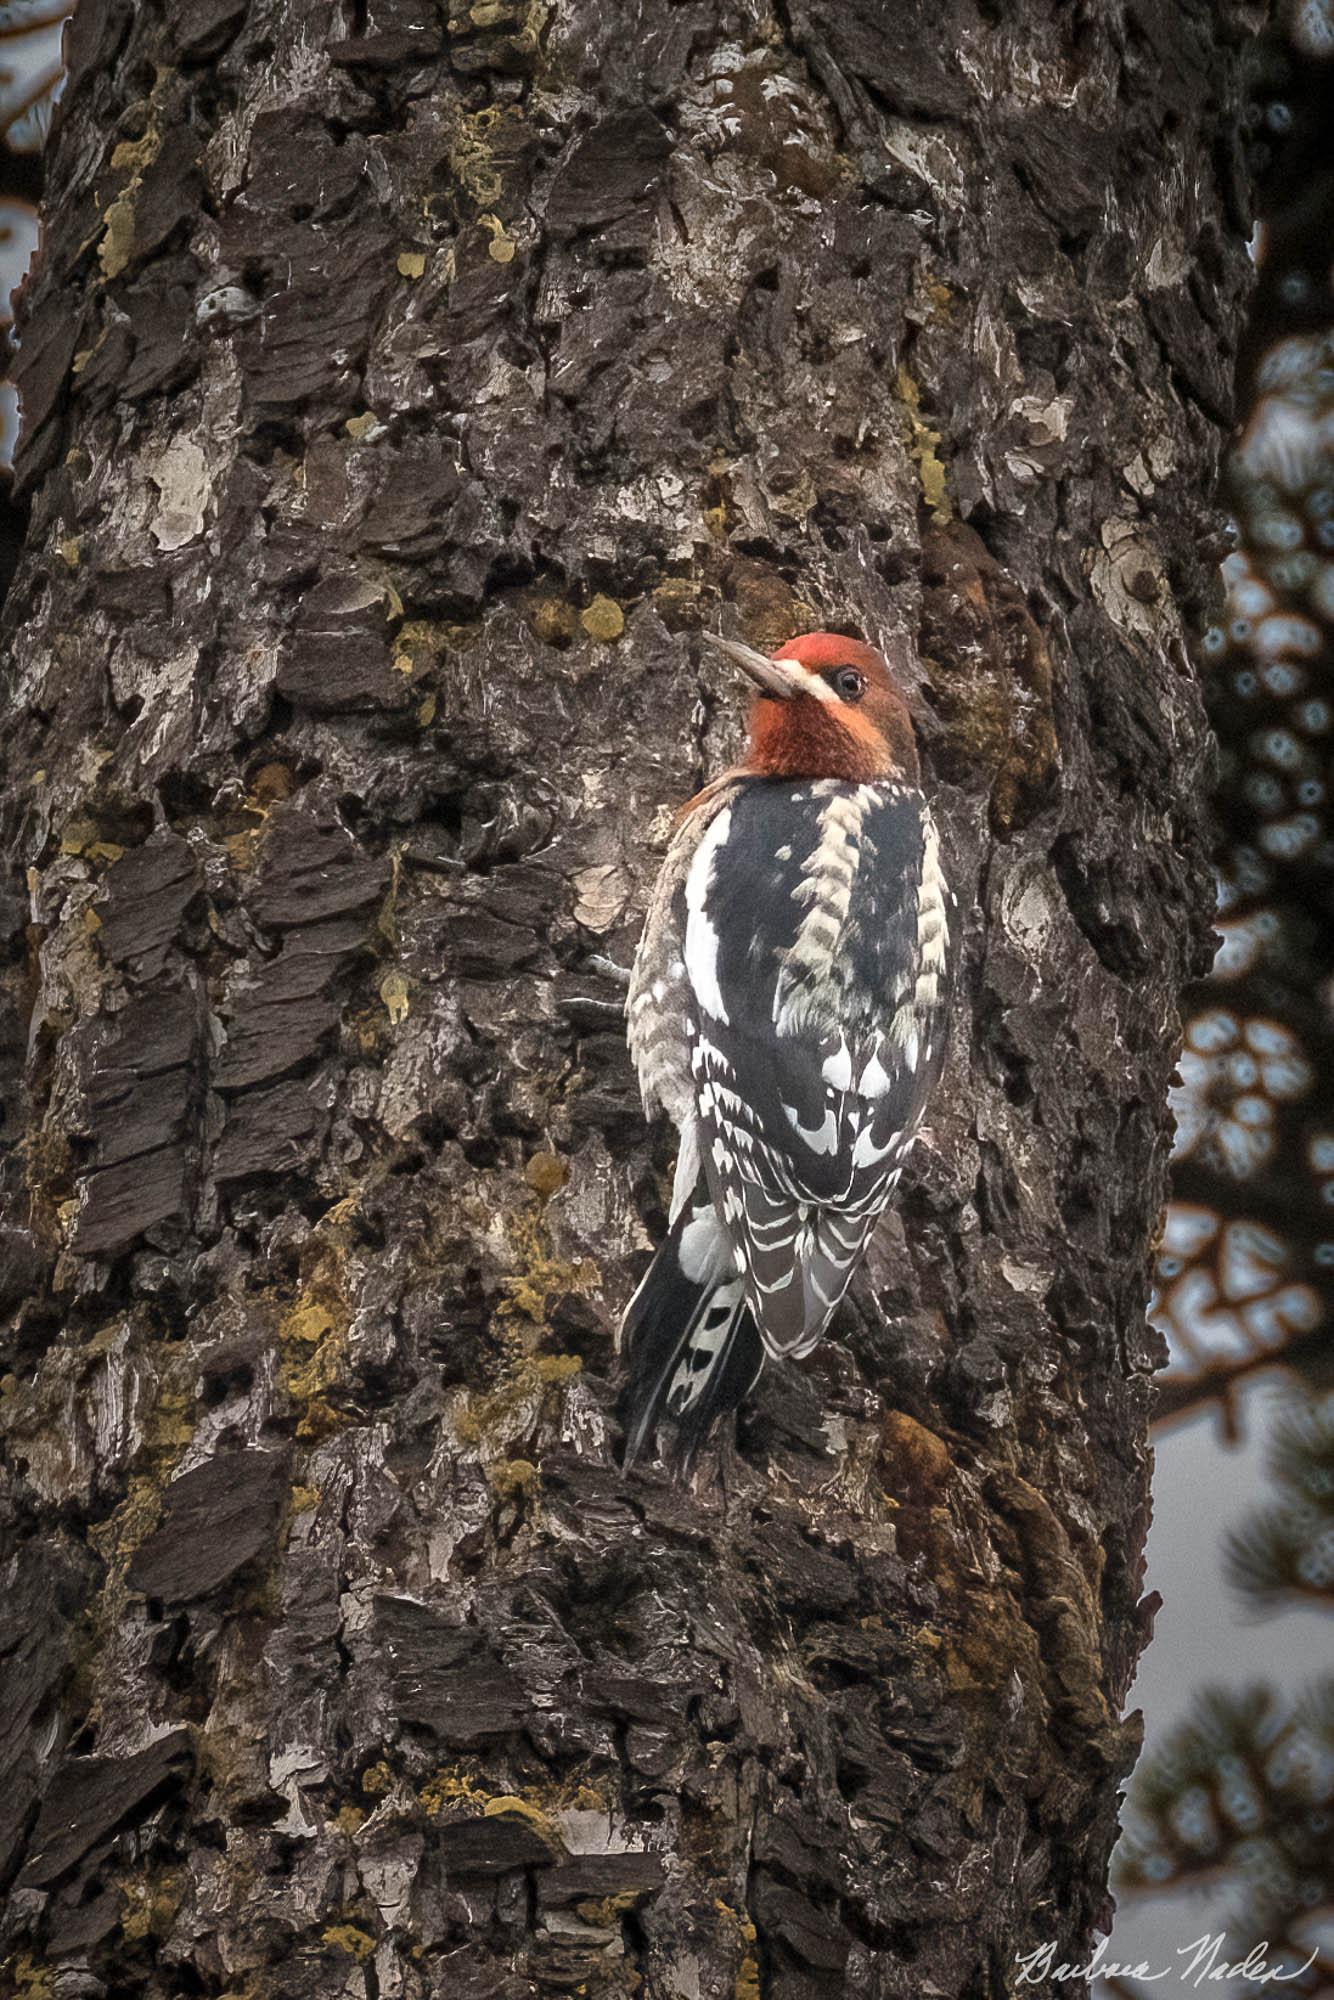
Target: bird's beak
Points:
(775, 677)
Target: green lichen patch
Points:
(603, 620)
(150, 1904)
(493, 1419)
(541, 1277)
(117, 246)
(451, 1785)
(514, 1479)
(546, 1174)
(924, 444)
(312, 1342)
(350, 1939)
(512, 1805)
(554, 620)
(28, 1978)
(167, 1432)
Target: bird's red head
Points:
(826, 707)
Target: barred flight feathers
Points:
(657, 1006)
(690, 1336)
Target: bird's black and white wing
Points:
(660, 1006)
(816, 950)
(689, 1336)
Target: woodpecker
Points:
(787, 1010)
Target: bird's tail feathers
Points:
(690, 1340)
(800, 1260)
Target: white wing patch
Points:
(822, 1138)
(702, 940)
(837, 1069)
(874, 1080)
(705, 1253)
(866, 1153)
(933, 931)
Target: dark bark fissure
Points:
(402, 392)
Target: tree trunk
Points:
(403, 387)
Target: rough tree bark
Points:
(404, 384)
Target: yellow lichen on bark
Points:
(924, 444)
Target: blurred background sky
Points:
(1204, 1487)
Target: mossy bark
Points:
(404, 387)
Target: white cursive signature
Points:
(1205, 1961)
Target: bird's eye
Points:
(849, 685)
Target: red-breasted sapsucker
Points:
(787, 1010)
